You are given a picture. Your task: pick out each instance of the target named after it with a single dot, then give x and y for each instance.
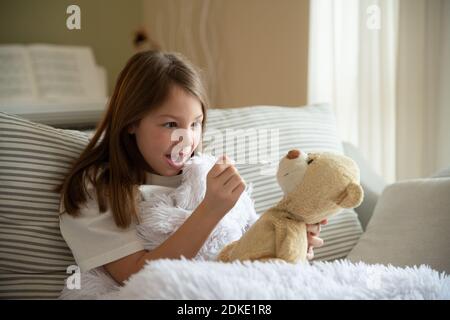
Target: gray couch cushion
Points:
(410, 226)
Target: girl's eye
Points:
(196, 124)
(170, 124)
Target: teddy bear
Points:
(315, 186)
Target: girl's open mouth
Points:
(176, 164)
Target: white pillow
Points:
(410, 226)
(309, 128)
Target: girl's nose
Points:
(293, 154)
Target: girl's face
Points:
(158, 134)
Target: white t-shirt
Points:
(95, 239)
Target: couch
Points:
(35, 260)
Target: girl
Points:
(155, 94)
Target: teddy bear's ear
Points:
(351, 197)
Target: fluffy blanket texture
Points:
(204, 279)
(162, 214)
(184, 279)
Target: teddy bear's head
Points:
(318, 185)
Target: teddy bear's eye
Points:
(309, 161)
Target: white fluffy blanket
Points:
(184, 279)
(162, 214)
(205, 279)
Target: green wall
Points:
(106, 26)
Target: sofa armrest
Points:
(410, 226)
(372, 183)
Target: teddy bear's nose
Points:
(293, 154)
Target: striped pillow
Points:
(309, 128)
(33, 160)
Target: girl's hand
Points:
(313, 237)
(224, 186)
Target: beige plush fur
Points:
(315, 187)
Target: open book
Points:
(38, 72)
(52, 84)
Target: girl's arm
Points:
(186, 241)
(224, 186)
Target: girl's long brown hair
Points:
(112, 155)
